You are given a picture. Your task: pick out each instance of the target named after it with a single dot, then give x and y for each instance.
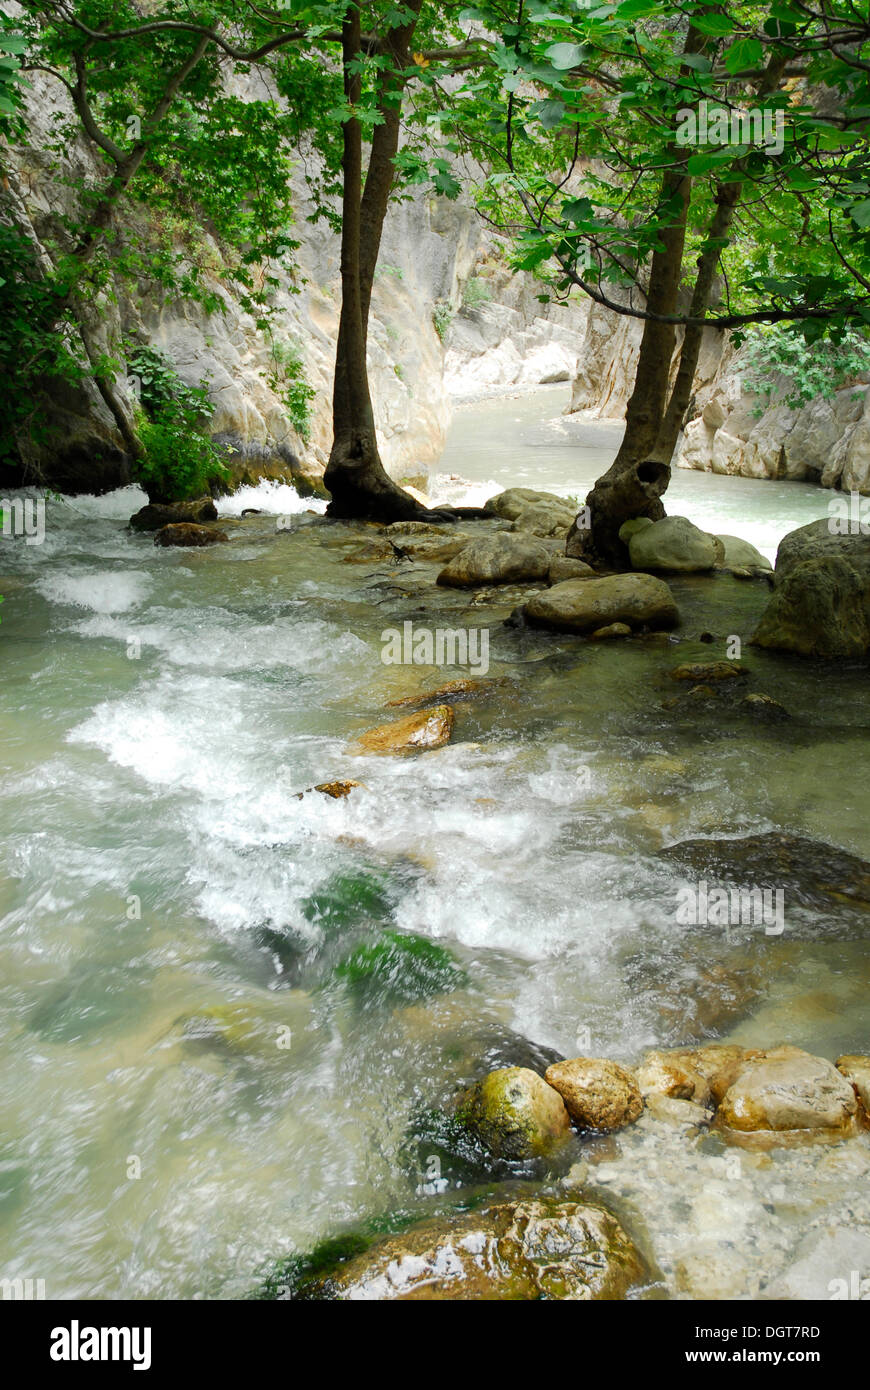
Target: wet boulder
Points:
(514, 1114)
(158, 514)
(674, 544)
(585, 605)
(524, 1251)
(505, 558)
(428, 728)
(820, 606)
(598, 1094)
(787, 1096)
(188, 533)
(809, 872)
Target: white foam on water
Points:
(460, 492)
(108, 506)
(219, 640)
(103, 591)
(279, 499)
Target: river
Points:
(190, 1090)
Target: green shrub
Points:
(811, 370)
(286, 376)
(180, 460)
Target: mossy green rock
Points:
(517, 1251)
(349, 900)
(399, 969)
(514, 1114)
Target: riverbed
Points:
(191, 1092)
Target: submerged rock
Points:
(673, 544)
(505, 558)
(336, 789)
(514, 1114)
(429, 728)
(602, 634)
(189, 534)
(584, 605)
(518, 1251)
(598, 1094)
(454, 690)
(399, 968)
(158, 514)
(810, 873)
(786, 1096)
(708, 671)
(764, 708)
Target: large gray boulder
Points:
(584, 605)
(515, 500)
(740, 555)
(820, 606)
(505, 558)
(673, 543)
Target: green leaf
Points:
(861, 213)
(716, 25)
(745, 53)
(566, 55)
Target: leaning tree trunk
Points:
(635, 481)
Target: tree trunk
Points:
(638, 476)
(355, 475)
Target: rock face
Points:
(514, 1114)
(584, 605)
(598, 1094)
(505, 558)
(672, 544)
(430, 249)
(826, 441)
(157, 515)
(786, 1095)
(187, 533)
(518, 1251)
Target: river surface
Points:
(191, 1088)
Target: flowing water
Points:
(191, 1088)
